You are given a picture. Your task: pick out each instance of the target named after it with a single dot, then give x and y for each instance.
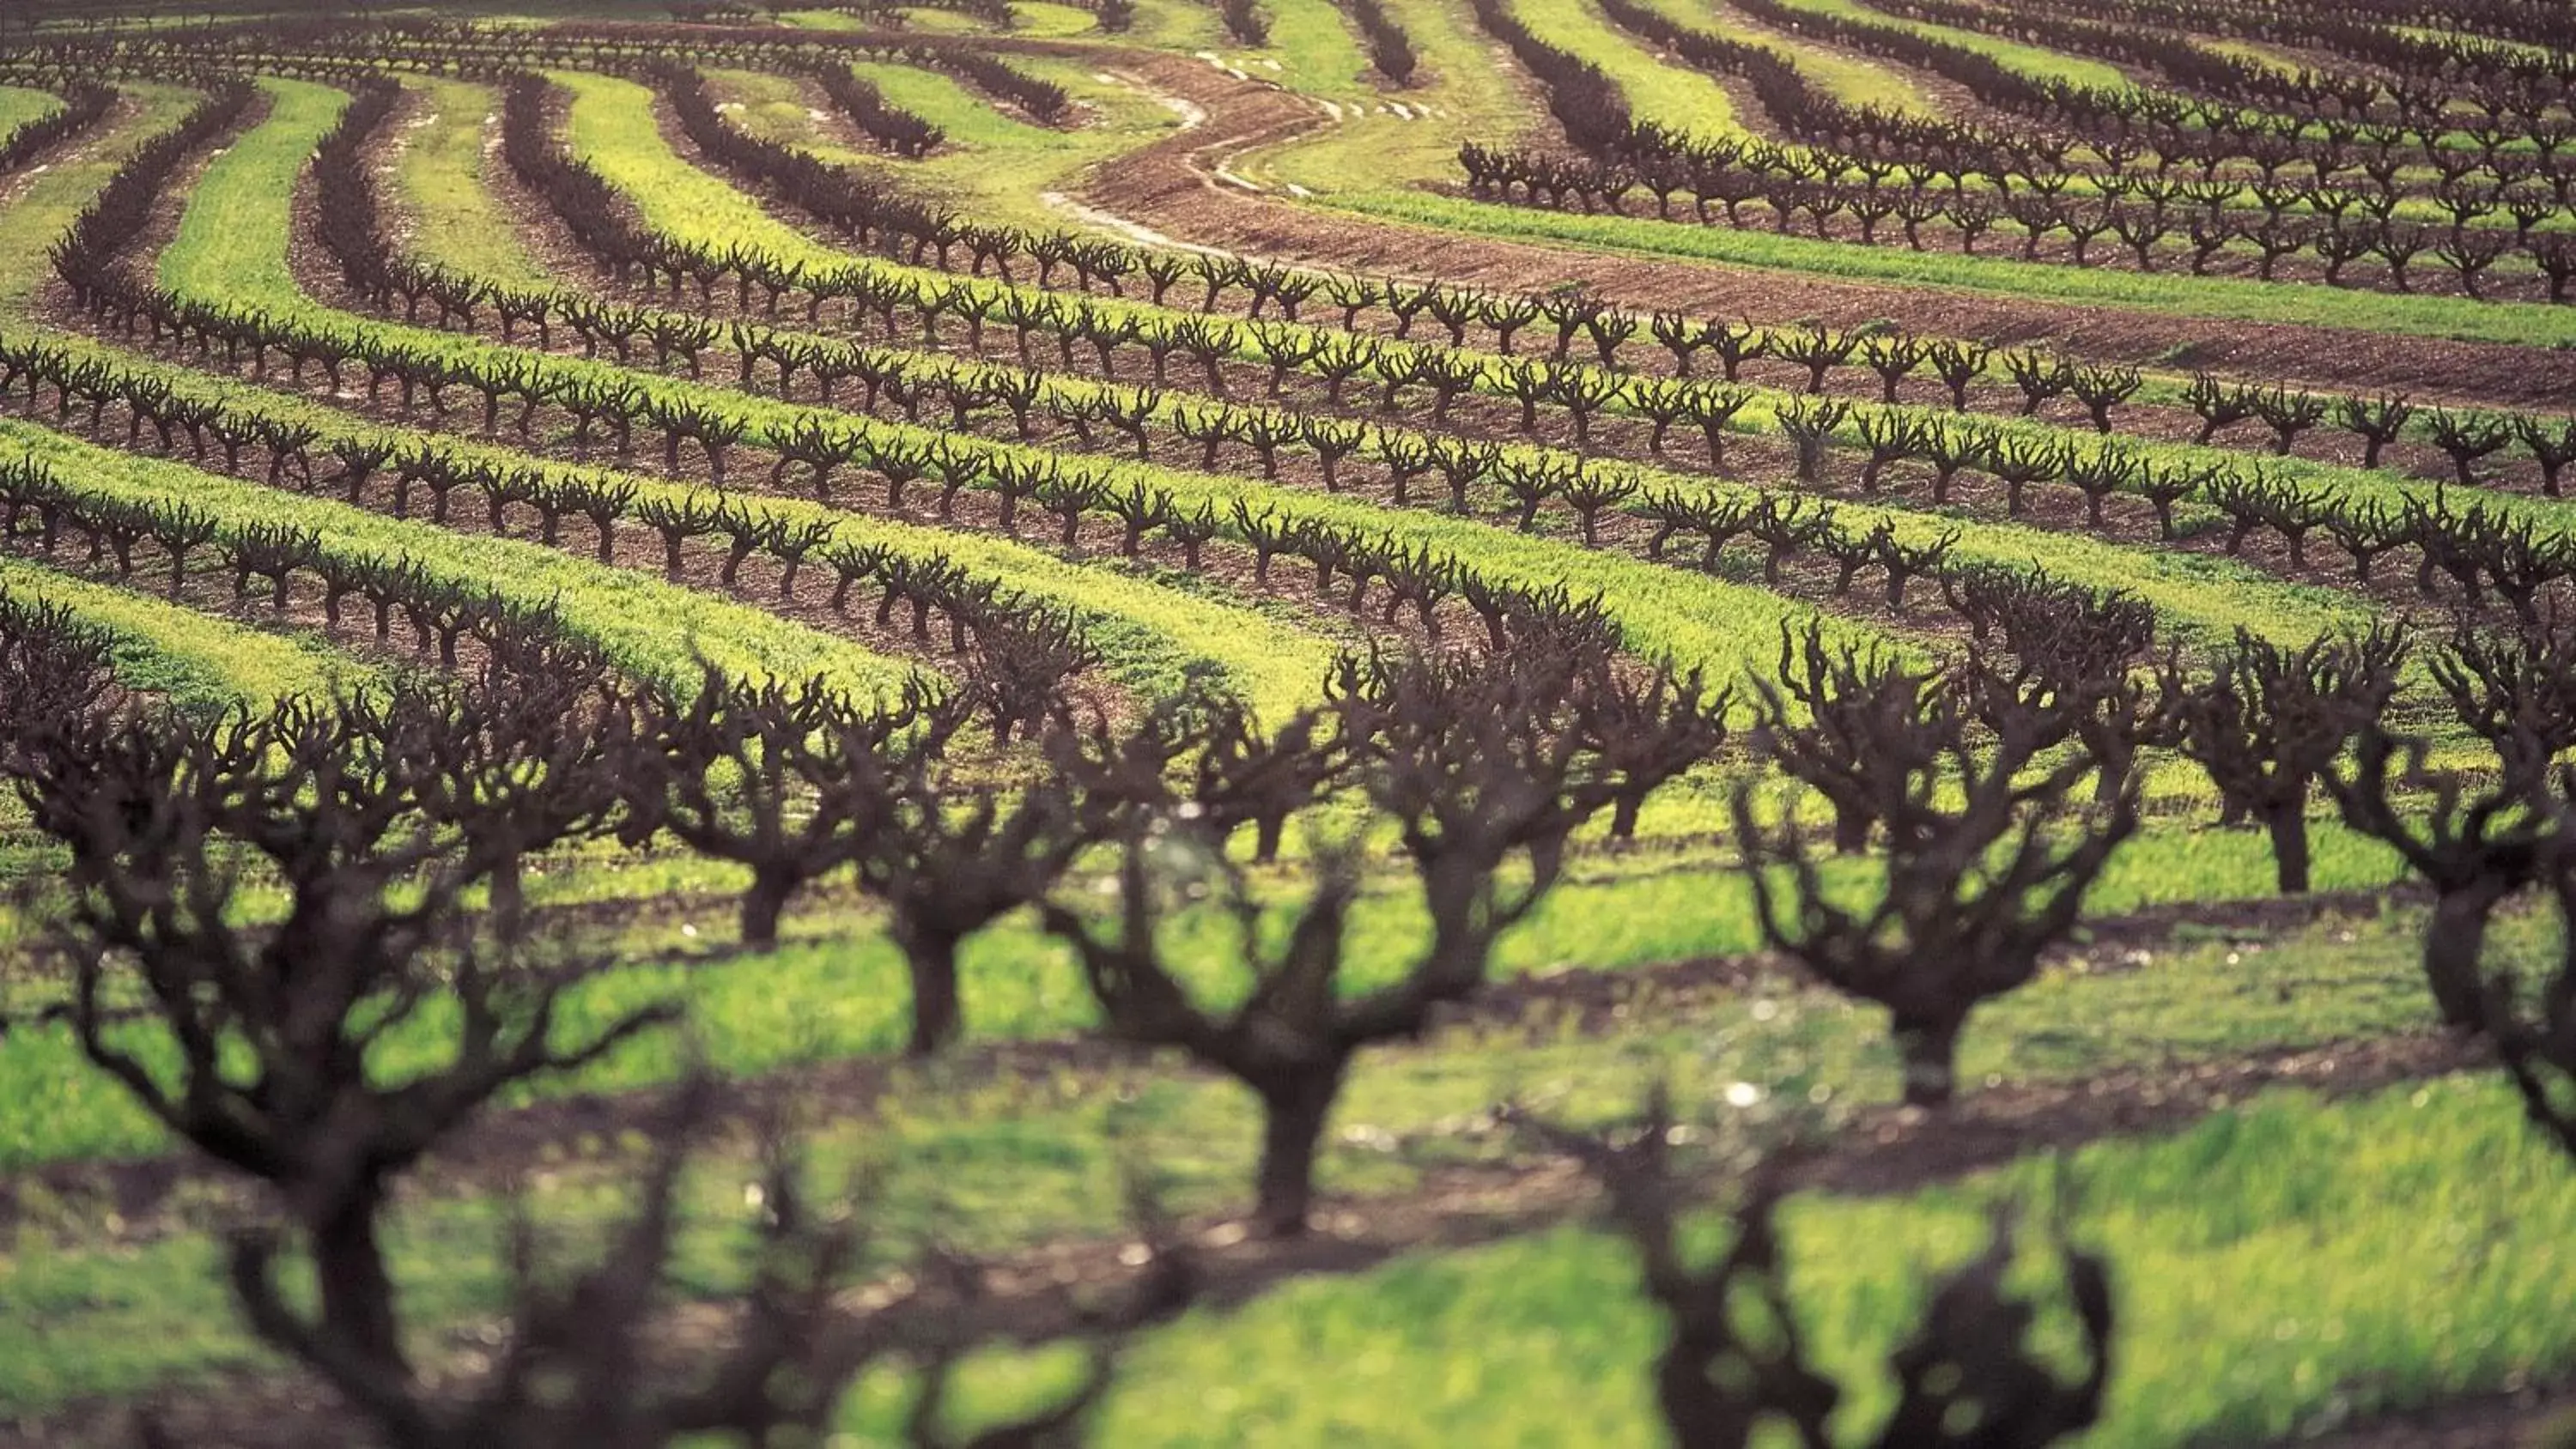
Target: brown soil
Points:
(1171, 186)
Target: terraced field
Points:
(1267, 722)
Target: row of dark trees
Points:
(2485, 543)
(87, 256)
(325, 48)
(383, 815)
(1076, 330)
(2367, 171)
(884, 122)
(85, 104)
(2139, 221)
(123, 538)
(2163, 120)
(1626, 153)
(1244, 20)
(1945, 770)
(1480, 764)
(2418, 79)
(296, 455)
(1390, 50)
(2530, 21)
(1017, 656)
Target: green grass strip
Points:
(1666, 92)
(200, 662)
(1457, 90)
(20, 105)
(1693, 619)
(1186, 26)
(1314, 49)
(440, 184)
(2035, 61)
(838, 990)
(950, 104)
(646, 625)
(610, 126)
(2275, 1267)
(2327, 1212)
(2300, 304)
(1046, 20)
(996, 1168)
(1851, 79)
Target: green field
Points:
(1167, 444)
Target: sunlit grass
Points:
(448, 159)
(199, 662)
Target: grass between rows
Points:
(20, 105)
(996, 1166)
(1694, 619)
(1667, 92)
(994, 163)
(446, 158)
(2037, 62)
(200, 662)
(842, 993)
(2204, 595)
(1151, 632)
(2278, 1267)
(2404, 1246)
(1851, 79)
(1313, 49)
(2519, 324)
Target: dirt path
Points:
(1179, 186)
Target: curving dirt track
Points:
(1177, 186)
